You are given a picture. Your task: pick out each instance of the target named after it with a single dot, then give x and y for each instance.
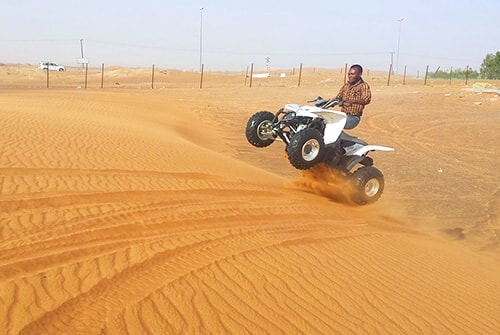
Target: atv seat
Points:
(349, 140)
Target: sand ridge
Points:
(148, 212)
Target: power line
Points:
(139, 46)
(41, 40)
(225, 52)
(438, 57)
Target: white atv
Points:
(314, 134)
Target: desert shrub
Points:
(456, 74)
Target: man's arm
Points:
(366, 95)
(340, 95)
(364, 99)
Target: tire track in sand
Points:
(131, 228)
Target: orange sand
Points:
(145, 211)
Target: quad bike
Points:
(314, 134)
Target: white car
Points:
(51, 66)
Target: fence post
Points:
(389, 76)
(153, 77)
(451, 73)
(47, 75)
(467, 75)
(251, 74)
(86, 73)
(102, 75)
(404, 77)
(300, 74)
(201, 75)
(345, 73)
(426, 73)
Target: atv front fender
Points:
(362, 150)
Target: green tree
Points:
(490, 69)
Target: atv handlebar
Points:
(333, 103)
(323, 103)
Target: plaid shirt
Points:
(360, 91)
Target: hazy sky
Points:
(236, 33)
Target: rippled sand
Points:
(146, 212)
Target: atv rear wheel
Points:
(306, 148)
(259, 129)
(368, 185)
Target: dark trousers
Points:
(352, 121)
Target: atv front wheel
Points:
(368, 185)
(259, 129)
(306, 148)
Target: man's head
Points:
(354, 73)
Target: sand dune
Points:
(147, 212)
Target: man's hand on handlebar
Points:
(337, 102)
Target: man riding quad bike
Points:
(314, 134)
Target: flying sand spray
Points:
(327, 182)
